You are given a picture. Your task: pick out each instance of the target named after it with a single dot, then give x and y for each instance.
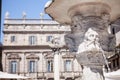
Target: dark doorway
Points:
(50, 78)
(69, 79)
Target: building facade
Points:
(114, 60)
(26, 49)
(1, 57)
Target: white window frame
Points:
(13, 39)
(49, 65)
(68, 65)
(13, 66)
(49, 38)
(32, 67)
(32, 40)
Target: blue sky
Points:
(33, 8)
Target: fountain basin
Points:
(63, 10)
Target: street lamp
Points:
(56, 44)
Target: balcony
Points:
(48, 75)
(71, 74)
(64, 75)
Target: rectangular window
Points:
(13, 67)
(32, 66)
(13, 38)
(32, 40)
(68, 65)
(49, 38)
(50, 66)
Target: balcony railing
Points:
(46, 75)
(37, 29)
(29, 21)
(33, 25)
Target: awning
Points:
(4, 75)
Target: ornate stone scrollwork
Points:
(14, 56)
(32, 56)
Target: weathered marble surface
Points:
(92, 74)
(84, 15)
(90, 39)
(82, 24)
(60, 10)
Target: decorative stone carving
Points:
(61, 10)
(68, 56)
(90, 42)
(89, 51)
(14, 56)
(42, 15)
(85, 16)
(81, 24)
(90, 39)
(49, 55)
(32, 56)
(7, 14)
(24, 15)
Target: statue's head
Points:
(56, 41)
(91, 35)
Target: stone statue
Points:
(89, 38)
(41, 15)
(90, 56)
(24, 15)
(7, 15)
(82, 24)
(56, 43)
(91, 42)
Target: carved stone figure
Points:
(81, 24)
(90, 56)
(24, 15)
(85, 16)
(89, 38)
(91, 42)
(7, 15)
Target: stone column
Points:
(56, 66)
(56, 45)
